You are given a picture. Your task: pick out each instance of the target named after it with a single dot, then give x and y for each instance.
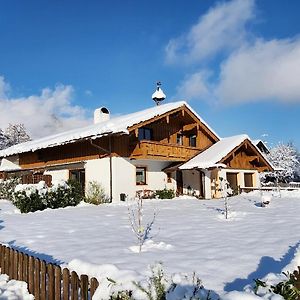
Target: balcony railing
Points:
(151, 149)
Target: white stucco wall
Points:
(98, 170)
(58, 174)
(156, 179)
(124, 175)
(123, 178)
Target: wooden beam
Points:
(189, 127)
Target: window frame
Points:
(193, 137)
(145, 175)
(179, 139)
(145, 133)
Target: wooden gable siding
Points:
(246, 156)
(165, 129)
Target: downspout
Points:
(110, 162)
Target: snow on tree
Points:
(285, 159)
(3, 140)
(16, 134)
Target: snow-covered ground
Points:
(189, 235)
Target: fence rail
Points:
(46, 281)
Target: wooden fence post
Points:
(25, 267)
(50, 285)
(93, 286)
(16, 263)
(20, 266)
(66, 284)
(11, 263)
(74, 286)
(31, 275)
(36, 279)
(43, 281)
(57, 273)
(84, 287)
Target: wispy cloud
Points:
(194, 86)
(221, 28)
(253, 69)
(263, 71)
(49, 112)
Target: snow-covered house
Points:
(166, 146)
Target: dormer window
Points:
(145, 134)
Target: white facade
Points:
(58, 175)
(124, 175)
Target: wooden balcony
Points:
(156, 150)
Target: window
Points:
(145, 133)
(248, 177)
(140, 175)
(179, 139)
(79, 176)
(193, 140)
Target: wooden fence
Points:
(46, 281)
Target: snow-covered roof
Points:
(118, 124)
(7, 165)
(214, 154)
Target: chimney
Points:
(101, 115)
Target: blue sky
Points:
(236, 62)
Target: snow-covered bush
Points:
(159, 286)
(7, 188)
(30, 197)
(165, 194)
(33, 197)
(76, 193)
(286, 288)
(95, 193)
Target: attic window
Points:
(145, 134)
(179, 139)
(193, 140)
